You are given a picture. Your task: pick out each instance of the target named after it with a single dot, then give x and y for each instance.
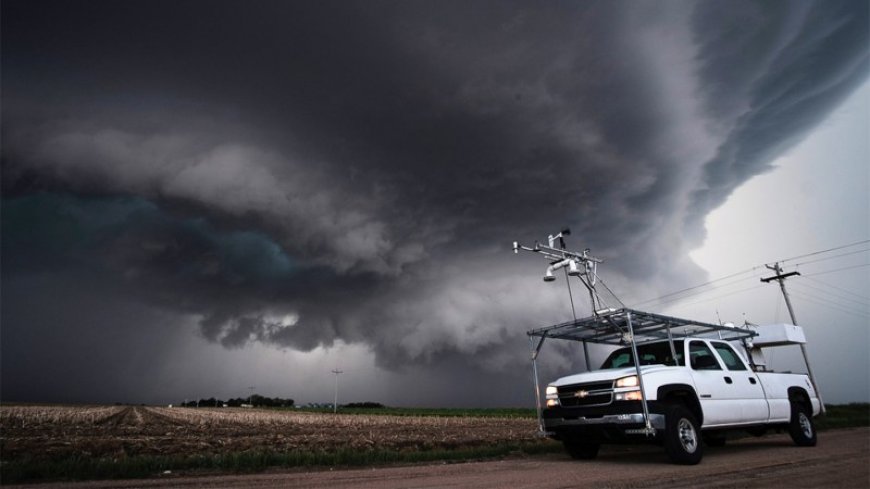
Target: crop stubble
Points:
(57, 432)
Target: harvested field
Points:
(56, 433)
(39, 443)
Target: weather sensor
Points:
(577, 264)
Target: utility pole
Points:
(335, 404)
(251, 395)
(780, 277)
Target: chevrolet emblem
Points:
(581, 394)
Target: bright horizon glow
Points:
(815, 199)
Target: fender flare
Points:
(799, 394)
(686, 394)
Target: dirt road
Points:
(841, 460)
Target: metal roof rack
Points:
(618, 326)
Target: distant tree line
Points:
(255, 400)
(364, 405)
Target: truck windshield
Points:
(650, 354)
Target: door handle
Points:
(727, 380)
(752, 380)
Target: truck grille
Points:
(589, 394)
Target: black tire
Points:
(682, 436)
(581, 451)
(801, 427)
(717, 440)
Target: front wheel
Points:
(581, 451)
(801, 427)
(682, 436)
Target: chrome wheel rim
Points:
(806, 426)
(688, 437)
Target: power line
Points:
(702, 292)
(694, 287)
(862, 297)
(831, 257)
(723, 295)
(825, 251)
(836, 270)
(832, 294)
(805, 294)
(830, 304)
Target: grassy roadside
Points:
(90, 468)
(84, 468)
(844, 416)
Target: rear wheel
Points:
(801, 427)
(581, 451)
(682, 436)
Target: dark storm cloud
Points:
(819, 55)
(298, 173)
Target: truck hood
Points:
(604, 375)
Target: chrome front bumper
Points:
(656, 420)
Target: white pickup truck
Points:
(685, 391)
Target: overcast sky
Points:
(203, 197)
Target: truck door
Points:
(713, 389)
(745, 386)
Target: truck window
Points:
(701, 358)
(729, 356)
(623, 359)
(658, 353)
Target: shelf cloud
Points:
(297, 174)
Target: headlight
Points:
(627, 381)
(552, 396)
(552, 392)
(633, 395)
